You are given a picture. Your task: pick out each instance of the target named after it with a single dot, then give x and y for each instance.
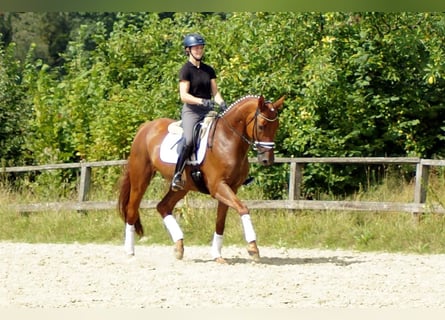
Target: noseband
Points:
(257, 145)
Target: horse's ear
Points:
(261, 101)
(279, 103)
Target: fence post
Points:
(421, 187)
(420, 191)
(295, 180)
(85, 180)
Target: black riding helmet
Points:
(193, 39)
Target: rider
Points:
(197, 86)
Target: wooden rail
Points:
(293, 202)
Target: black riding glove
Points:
(208, 103)
(223, 106)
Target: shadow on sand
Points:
(280, 261)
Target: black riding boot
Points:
(177, 183)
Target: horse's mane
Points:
(239, 100)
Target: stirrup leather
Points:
(177, 183)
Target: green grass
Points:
(363, 231)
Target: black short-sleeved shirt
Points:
(199, 79)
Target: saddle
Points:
(170, 144)
(199, 133)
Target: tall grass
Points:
(364, 231)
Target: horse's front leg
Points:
(250, 235)
(227, 197)
(219, 232)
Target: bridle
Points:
(259, 146)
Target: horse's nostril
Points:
(265, 160)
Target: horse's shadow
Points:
(279, 261)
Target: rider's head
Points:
(194, 41)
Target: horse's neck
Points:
(235, 126)
(242, 115)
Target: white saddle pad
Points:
(169, 146)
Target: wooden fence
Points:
(418, 205)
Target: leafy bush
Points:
(357, 84)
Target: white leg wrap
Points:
(216, 246)
(129, 239)
(249, 232)
(173, 227)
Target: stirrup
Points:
(177, 183)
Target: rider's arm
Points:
(186, 97)
(215, 92)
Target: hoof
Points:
(254, 255)
(220, 260)
(179, 249)
(253, 251)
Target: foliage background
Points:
(76, 86)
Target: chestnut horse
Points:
(250, 121)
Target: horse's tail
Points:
(124, 197)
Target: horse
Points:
(251, 121)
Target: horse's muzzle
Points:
(266, 158)
(265, 152)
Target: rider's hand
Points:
(223, 106)
(208, 103)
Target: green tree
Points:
(12, 111)
(357, 84)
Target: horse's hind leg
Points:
(165, 209)
(140, 174)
